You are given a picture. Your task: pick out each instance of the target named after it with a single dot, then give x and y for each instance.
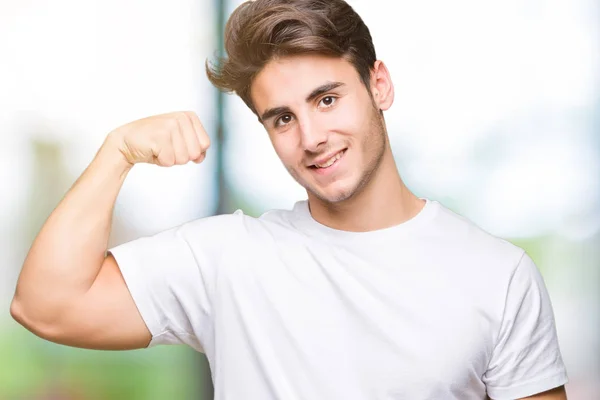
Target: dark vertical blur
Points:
(206, 389)
(222, 195)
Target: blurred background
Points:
(497, 116)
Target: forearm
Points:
(68, 252)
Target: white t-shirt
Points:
(286, 308)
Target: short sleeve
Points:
(171, 278)
(526, 359)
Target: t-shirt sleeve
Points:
(171, 278)
(526, 359)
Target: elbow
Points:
(37, 326)
(16, 311)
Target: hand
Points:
(166, 139)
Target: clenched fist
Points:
(166, 139)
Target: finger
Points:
(200, 158)
(165, 156)
(190, 138)
(179, 147)
(199, 130)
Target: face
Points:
(325, 127)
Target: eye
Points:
(327, 101)
(283, 120)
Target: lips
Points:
(328, 161)
(330, 167)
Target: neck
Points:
(383, 202)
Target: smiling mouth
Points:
(329, 162)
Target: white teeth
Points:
(331, 160)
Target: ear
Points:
(382, 88)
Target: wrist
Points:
(110, 155)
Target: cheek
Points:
(350, 119)
(287, 150)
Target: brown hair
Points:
(261, 30)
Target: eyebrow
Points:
(271, 112)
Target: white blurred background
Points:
(497, 116)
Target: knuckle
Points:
(181, 116)
(183, 119)
(190, 114)
(172, 124)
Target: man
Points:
(363, 291)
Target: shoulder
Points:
(238, 226)
(224, 223)
(483, 249)
(463, 231)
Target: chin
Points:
(333, 199)
(334, 195)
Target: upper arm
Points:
(558, 393)
(526, 358)
(105, 317)
(153, 290)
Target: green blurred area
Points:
(36, 369)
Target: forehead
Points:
(289, 80)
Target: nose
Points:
(312, 137)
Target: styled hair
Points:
(262, 30)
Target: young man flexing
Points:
(362, 291)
